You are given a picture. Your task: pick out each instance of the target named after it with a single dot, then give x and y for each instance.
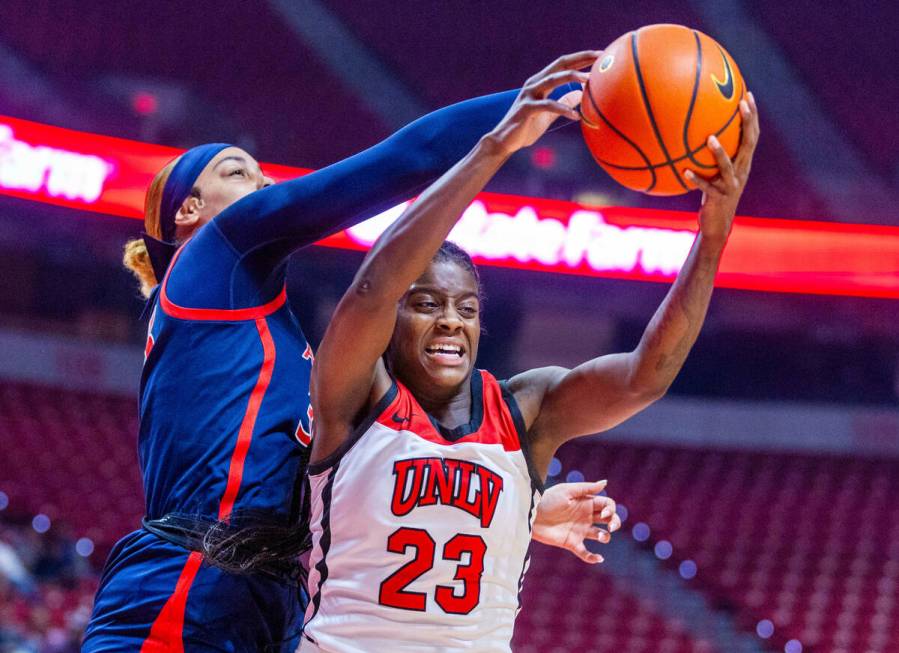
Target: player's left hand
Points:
(721, 193)
(569, 513)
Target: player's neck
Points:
(450, 410)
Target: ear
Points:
(189, 214)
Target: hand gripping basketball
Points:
(721, 193)
(653, 98)
(534, 111)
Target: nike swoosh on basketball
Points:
(726, 88)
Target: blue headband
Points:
(177, 188)
(181, 181)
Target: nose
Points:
(267, 181)
(449, 321)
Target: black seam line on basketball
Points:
(690, 152)
(693, 98)
(621, 134)
(652, 120)
(688, 155)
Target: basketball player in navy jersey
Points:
(425, 472)
(225, 423)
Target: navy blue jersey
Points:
(225, 421)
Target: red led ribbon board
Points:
(110, 175)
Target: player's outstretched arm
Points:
(348, 371)
(560, 404)
(290, 215)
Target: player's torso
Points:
(420, 543)
(225, 419)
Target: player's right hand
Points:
(534, 111)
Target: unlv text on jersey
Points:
(458, 483)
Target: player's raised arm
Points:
(292, 214)
(347, 367)
(561, 404)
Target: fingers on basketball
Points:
(652, 100)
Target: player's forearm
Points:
(300, 211)
(438, 140)
(673, 330)
(405, 249)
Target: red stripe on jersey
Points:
(303, 436)
(497, 427)
(218, 314)
(150, 339)
(166, 634)
(245, 434)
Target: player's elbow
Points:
(646, 381)
(643, 396)
(647, 389)
(653, 394)
(371, 293)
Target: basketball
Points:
(653, 98)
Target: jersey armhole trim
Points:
(215, 314)
(337, 455)
(150, 304)
(523, 440)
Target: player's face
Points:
(231, 175)
(435, 342)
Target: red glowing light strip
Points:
(32, 154)
(110, 175)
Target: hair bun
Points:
(137, 259)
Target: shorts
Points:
(156, 596)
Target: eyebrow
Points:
(437, 291)
(235, 157)
(232, 157)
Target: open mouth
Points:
(445, 354)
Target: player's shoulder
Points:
(530, 387)
(537, 379)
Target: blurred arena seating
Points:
(858, 97)
(257, 74)
(45, 606)
(71, 456)
(540, 34)
(806, 544)
(599, 615)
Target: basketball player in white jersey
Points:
(425, 471)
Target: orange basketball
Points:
(653, 98)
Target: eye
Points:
(468, 311)
(238, 171)
(427, 305)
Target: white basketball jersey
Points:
(420, 534)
